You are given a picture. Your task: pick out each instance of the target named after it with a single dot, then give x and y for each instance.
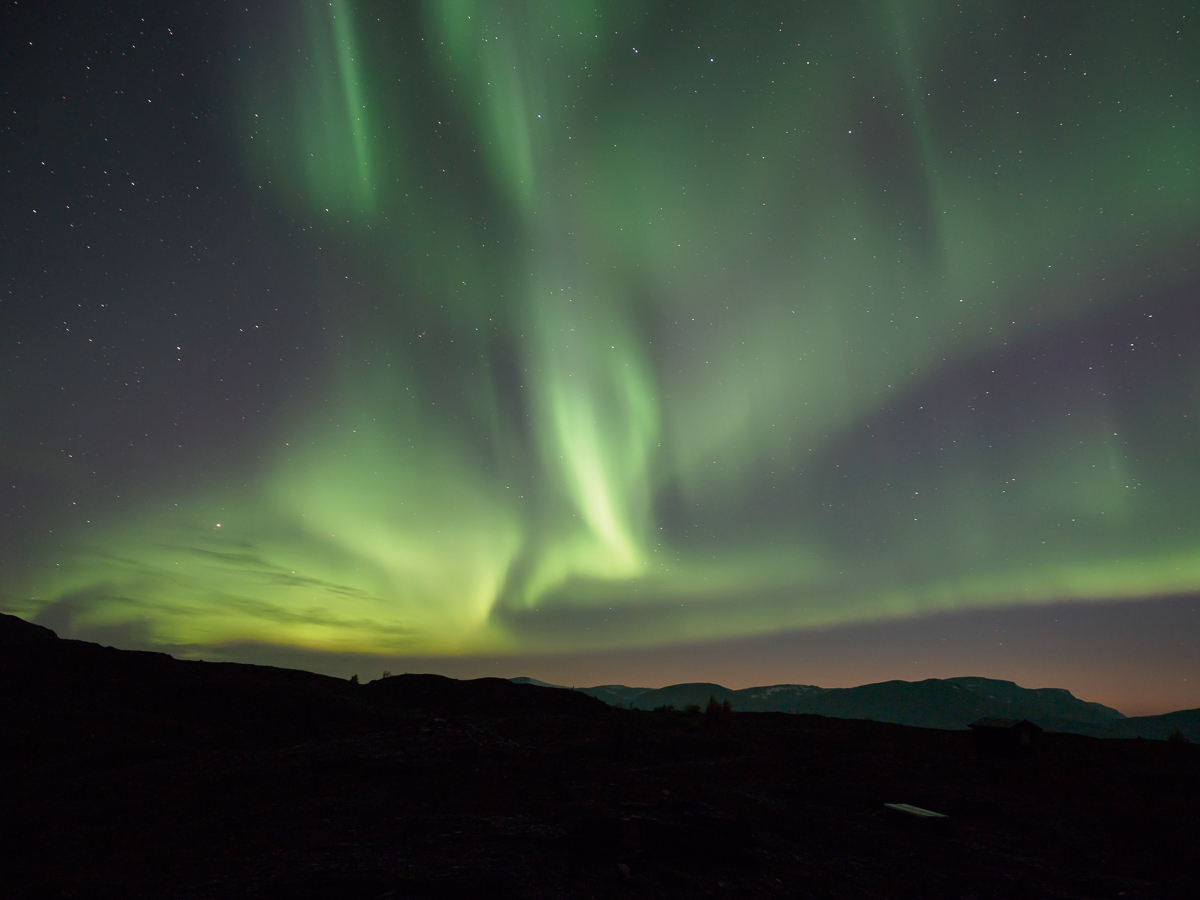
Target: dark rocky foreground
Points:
(135, 775)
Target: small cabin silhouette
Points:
(1005, 736)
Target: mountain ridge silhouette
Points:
(134, 774)
(41, 673)
(947, 703)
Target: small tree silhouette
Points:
(354, 678)
(717, 712)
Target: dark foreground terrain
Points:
(133, 775)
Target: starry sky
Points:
(638, 342)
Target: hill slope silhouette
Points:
(136, 775)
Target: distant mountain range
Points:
(64, 680)
(951, 703)
(300, 785)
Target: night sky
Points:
(645, 342)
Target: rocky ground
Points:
(216, 781)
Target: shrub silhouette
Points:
(717, 712)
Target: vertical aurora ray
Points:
(595, 409)
(331, 117)
(689, 324)
(598, 424)
(342, 27)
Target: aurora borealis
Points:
(457, 328)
